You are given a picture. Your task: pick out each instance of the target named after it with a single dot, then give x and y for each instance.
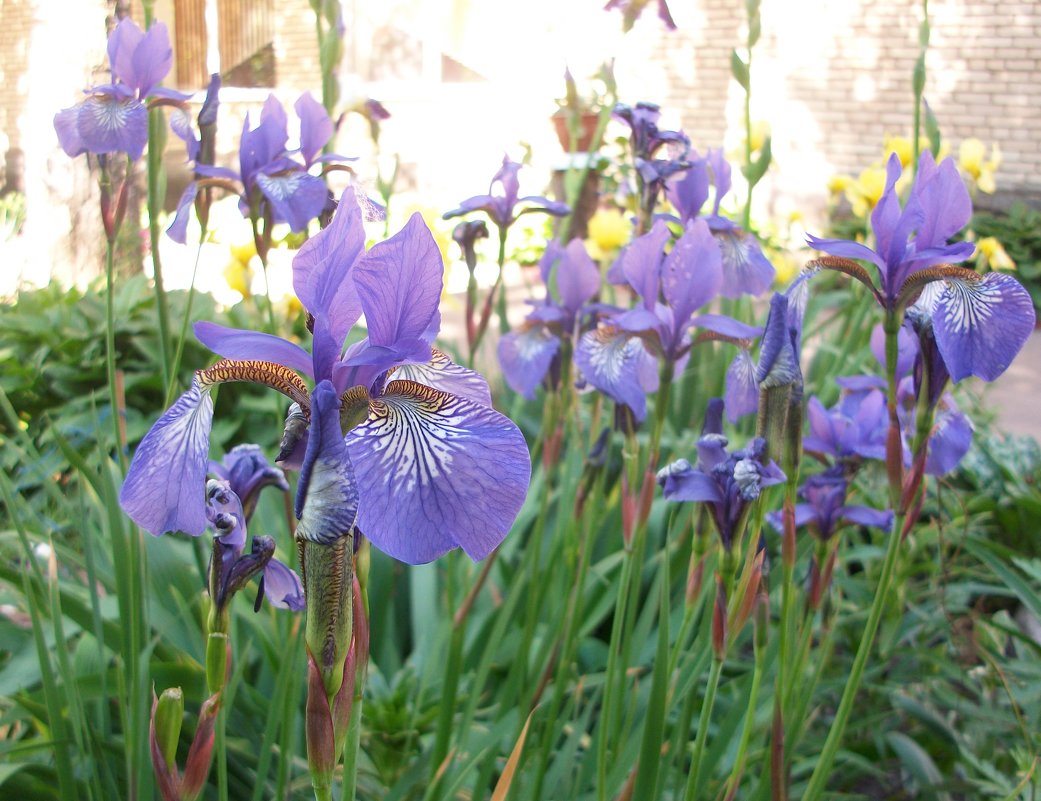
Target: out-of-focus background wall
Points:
(467, 80)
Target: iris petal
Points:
(746, 270)
(297, 197)
(109, 124)
(282, 587)
(165, 487)
(436, 472)
(444, 374)
(618, 364)
(980, 326)
(238, 343)
(742, 391)
(525, 357)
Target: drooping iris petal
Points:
(67, 126)
(525, 356)
(981, 325)
(247, 471)
(436, 472)
(399, 283)
(681, 482)
(949, 440)
(297, 197)
(315, 126)
(165, 486)
(444, 374)
(178, 230)
(238, 343)
(282, 587)
(863, 516)
(618, 364)
(746, 270)
(322, 268)
(742, 391)
(845, 249)
(327, 495)
(108, 123)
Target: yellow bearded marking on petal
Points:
(254, 371)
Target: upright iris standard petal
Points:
(165, 486)
(436, 472)
(578, 278)
(689, 193)
(238, 343)
(315, 127)
(641, 263)
(444, 374)
(282, 587)
(981, 325)
(322, 268)
(525, 356)
(399, 283)
(327, 495)
(778, 361)
(691, 274)
(618, 364)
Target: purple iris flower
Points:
(201, 149)
(727, 481)
(247, 472)
(617, 357)
(271, 180)
(854, 429)
(428, 465)
(114, 117)
(980, 322)
(527, 354)
(746, 270)
(231, 568)
(825, 509)
(502, 200)
(632, 9)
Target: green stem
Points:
(156, 134)
(693, 779)
(838, 726)
(749, 723)
(110, 352)
(746, 217)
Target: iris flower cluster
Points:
(114, 116)
(272, 182)
(394, 439)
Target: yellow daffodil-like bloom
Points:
(992, 253)
(608, 231)
(972, 158)
(864, 193)
(839, 184)
(238, 276)
(901, 145)
(786, 266)
(243, 251)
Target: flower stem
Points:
(175, 366)
(749, 723)
(110, 352)
(156, 137)
(702, 737)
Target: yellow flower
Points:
(972, 158)
(864, 194)
(901, 145)
(238, 276)
(839, 184)
(785, 265)
(609, 230)
(243, 251)
(993, 254)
